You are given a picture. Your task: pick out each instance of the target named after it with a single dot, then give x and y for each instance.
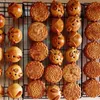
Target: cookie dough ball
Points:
(15, 10)
(2, 21)
(55, 56)
(1, 91)
(13, 54)
(1, 53)
(57, 25)
(14, 91)
(14, 72)
(57, 9)
(14, 35)
(73, 23)
(2, 36)
(74, 39)
(72, 55)
(53, 92)
(73, 7)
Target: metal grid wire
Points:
(23, 24)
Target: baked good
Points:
(71, 72)
(73, 8)
(57, 9)
(13, 54)
(74, 39)
(14, 91)
(14, 35)
(14, 72)
(53, 73)
(72, 55)
(92, 31)
(2, 21)
(39, 11)
(37, 31)
(1, 91)
(93, 11)
(57, 25)
(2, 36)
(92, 69)
(73, 23)
(36, 89)
(72, 91)
(15, 10)
(1, 53)
(53, 92)
(38, 51)
(34, 70)
(92, 50)
(91, 88)
(55, 56)
(0, 71)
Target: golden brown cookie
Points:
(2, 36)
(39, 11)
(36, 89)
(1, 53)
(92, 31)
(34, 70)
(0, 72)
(93, 11)
(72, 91)
(91, 88)
(53, 73)
(38, 51)
(92, 50)
(2, 21)
(37, 31)
(71, 73)
(1, 91)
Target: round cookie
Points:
(36, 89)
(14, 91)
(55, 56)
(1, 91)
(37, 31)
(91, 88)
(92, 31)
(2, 21)
(72, 91)
(13, 54)
(34, 70)
(14, 72)
(2, 36)
(38, 51)
(39, 11)
(1, 54)
(92, 50)
(71, 73)
(92, 69)
(93, 11)
(53, 73)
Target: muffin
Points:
(14, 72)
(71, 72)
(73, 23)
(13, 54)
(1, 53)
(73, 8)
(53, 73)
(92, 69)
(57, 25)
(14, 35)
(15, 10)
(2, 21)
(37, 31)
(72, 55)
(53, 92)
(14, 91)
(57, 9)
(72, 91)
(39, 11)
(34, 70)
(36, 89)
(58, 41)
(1, 91)
(91, 88)
(92, 50)
(56, 57)
(74, 39)
(38, 51)
(92, 31)
(93, 11)
(2, 36)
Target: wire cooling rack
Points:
(23, 24)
